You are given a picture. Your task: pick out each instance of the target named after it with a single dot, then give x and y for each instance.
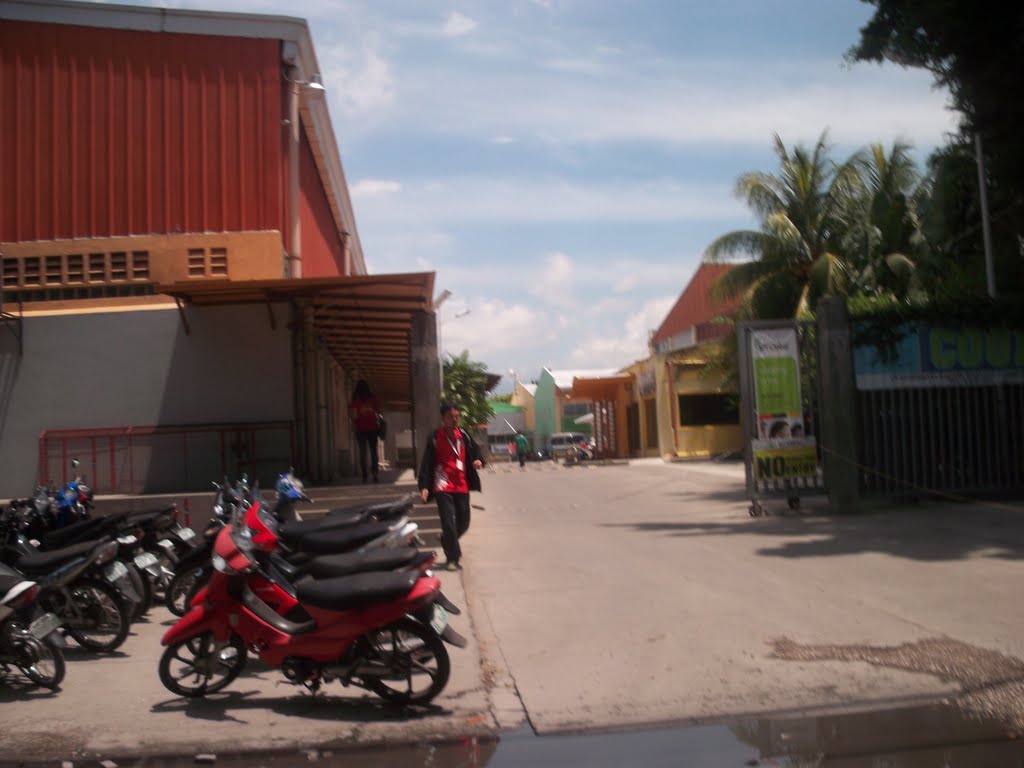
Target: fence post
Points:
(837, 406)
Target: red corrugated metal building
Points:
(154, 158)
(162, 126)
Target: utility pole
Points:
(986, 229)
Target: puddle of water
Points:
(919, 737)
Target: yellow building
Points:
(677, 411)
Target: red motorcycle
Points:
(358, 629)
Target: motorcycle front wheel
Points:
(183, 588)
(41, 660)
(196, 667)
(98, 619)
(406, 663)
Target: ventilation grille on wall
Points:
(207, 262)
(75, 276)
(70, 269)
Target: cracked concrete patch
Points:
(992, 683)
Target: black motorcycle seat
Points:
(345, 516)
(391, 509)
(147, 515)
(70, 534)
(332, 566)
(44, 562)
(382, 511)
(348, 593)
(294, 530)
(331, 542)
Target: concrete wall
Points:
(140, 368)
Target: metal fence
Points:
(935, 440)
(134, 460)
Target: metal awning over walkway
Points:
(364, 321)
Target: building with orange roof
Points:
(678, 410)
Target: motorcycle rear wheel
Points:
(106, 616)
(195, 658)
(41, 660)
(414, 654)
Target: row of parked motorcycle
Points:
(348, 597)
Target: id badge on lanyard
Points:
(457, 449)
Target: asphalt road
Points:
(646, 593)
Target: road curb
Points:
(502, 693)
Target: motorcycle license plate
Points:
(115, 571)
(145, 560)
(44, 625)
(440, 619)
(126, 540)
(186, 534)
(127, 588)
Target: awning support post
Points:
(181, 314)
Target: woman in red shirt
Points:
(365, 413)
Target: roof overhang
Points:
(604, 388)
(364, 322)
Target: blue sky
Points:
(562, 164)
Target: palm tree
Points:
(796, 259)
(885, 239)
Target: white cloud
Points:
(458, 25)
(374, 188)
(359, 81)
(625, 284)
(468, 199)
(492, 327)
(680, 102)
(631, 344)
(554, 284)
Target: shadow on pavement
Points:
(927, 533)
(229, 706)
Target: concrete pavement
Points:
(642, 594)
(598, 597)
(115, 706)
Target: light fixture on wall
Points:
(313, 84)
(441, 298)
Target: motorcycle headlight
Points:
(221, 565)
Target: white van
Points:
(563, 444)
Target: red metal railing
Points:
(147, 459)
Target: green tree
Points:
(976, 53)
(950, 211)
(884, 240)
(795, 254)
(465, 384)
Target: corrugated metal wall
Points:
(108, 132)
(323, 252)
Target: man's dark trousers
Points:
(453, 509)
